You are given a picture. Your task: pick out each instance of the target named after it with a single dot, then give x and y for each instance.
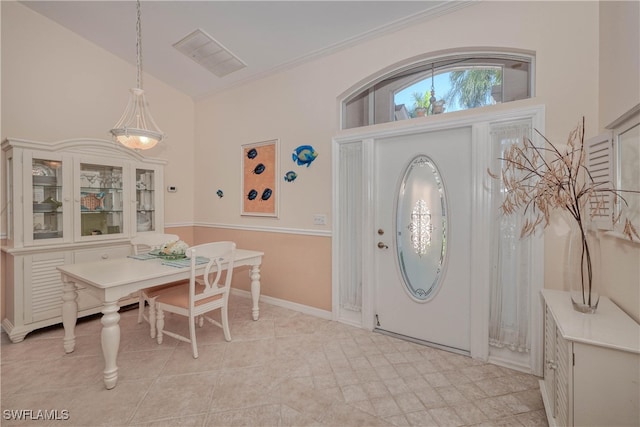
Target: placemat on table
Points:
(186, 262)
(143, 257)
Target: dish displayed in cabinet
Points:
(46, 234)
(43, 207)
(44, 180)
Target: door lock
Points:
(382, 245)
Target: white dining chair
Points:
(203, 295)
(143, 244)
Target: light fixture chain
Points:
(139, 47)
(136, 129)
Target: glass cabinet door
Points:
(145, 200)
(46, 180)
(101, 199)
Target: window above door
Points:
(439, 85)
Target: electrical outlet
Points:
(319, 219)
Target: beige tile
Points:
(406, 370)
(437, 379)
(324, 381)
(376, 389)
(347, 377)
(451, 395)
(286, 369)
(409, 402)
(364, 405)
(531, 399)
(533, 419)
(180, 360)
(343, 415)
(96, 405)
(58, 400)
(397, 420)
(469, 413)
(172, 396)
(305, 401)
(136, 365)
(290, 417)
(241, 354)
(385, 407)
(354, 393)
(471, 391)
(493, 387)
(446, 417)
(66, 371)
(430, 398)
(421, 418)
(396, 386)
(188, 421)
(386, 372)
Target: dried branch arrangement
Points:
(542, 179)
(539, 180)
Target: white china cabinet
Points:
(71, 201)
(591, 366)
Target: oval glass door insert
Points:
(421, 227)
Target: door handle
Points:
(382, 245)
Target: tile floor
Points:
(286, 369)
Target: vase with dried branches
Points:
(541, 179)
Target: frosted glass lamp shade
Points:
(136, 129)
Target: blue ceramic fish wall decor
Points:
(252, 154)
(220, 193)
(259, 169)
(304, 155)
(290, 176)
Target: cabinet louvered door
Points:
(43, 285)
(564, 357)
(550, 362)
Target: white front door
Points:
(422, 259)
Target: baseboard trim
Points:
(305, 309)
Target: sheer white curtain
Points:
(510, 283)
(350, 207)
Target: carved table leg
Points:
(255, 290)
(69, 315)
(110, 342)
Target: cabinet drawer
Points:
(89, 255)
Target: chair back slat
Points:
(221, 256)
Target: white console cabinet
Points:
(70, 201)
(591, 366)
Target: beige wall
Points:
(300, 106)
(620, 91)
(619, 66)
(57, 85)
(295, 268)
(50, 75)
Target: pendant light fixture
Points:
(136, 129)
(432, 99)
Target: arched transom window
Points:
(440, 85)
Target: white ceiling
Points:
(266, 35)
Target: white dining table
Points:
(113, 279)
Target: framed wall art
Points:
(260, 189)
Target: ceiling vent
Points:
(206, 51)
